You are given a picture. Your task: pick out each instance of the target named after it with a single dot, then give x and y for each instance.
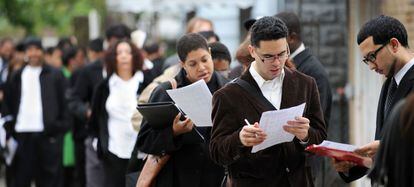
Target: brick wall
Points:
(324, 31)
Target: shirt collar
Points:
(138, 77)
(34, 68)
(400, 74)
(297, 51)
(259, 79)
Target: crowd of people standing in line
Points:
(73, 112)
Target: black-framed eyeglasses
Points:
(271, 58)
(371, 57)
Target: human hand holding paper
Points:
(298, 127)
(369, 149)
(272, 123)
(252, 135)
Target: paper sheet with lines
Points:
(272, 123)
(195, 101)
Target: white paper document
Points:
(11, 149)
(272, 123)
(339, 146)
(195, 101)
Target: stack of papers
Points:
(272, 123)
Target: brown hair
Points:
(193, 22)
(110, 58)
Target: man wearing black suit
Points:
(308, 64)
(35, 98)
(384, 45)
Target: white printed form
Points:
(272, 124)
(339, 146)
(195, 101)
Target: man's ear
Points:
(292, 37)
(251, 50)
(394, 44)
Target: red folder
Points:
(340, 155)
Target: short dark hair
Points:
(110, 57)
(291, 20)
(68, 53)
(382, 29)
(267, 28)
(190, 42)
(33, 41)
(151, 47)
(64, 43)
(20, 46)
(120, 31)
(219, 51)
(96, 45)
(209, 34)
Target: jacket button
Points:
(287, 170)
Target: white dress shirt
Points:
(271, 89)
(297, 51)
(30, 116)
(400, 74)
(120, 106)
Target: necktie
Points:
(392, 87)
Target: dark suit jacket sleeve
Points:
(317, 131)
(96, 108)
(354, 174)
(79, 95)
(325, 94)
(62, 122)
(6, 103)
(157, 141)
(6, 107)
(225, 144)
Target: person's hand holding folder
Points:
(368, 150)
(343, 156)
(181, 127)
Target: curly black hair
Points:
(383, 29)
(267, 28)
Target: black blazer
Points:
(83, 89)
(98, 123)
(308, 64)
(53, 87)
(405, 87)
(80, 96)
(189, 164)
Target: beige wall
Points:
(364, 85)
(403, 10)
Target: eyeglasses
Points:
(371, 57)
(271, 58)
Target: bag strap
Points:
(254, 92)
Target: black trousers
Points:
(39, 158)
(115, 170)
(80, 167)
